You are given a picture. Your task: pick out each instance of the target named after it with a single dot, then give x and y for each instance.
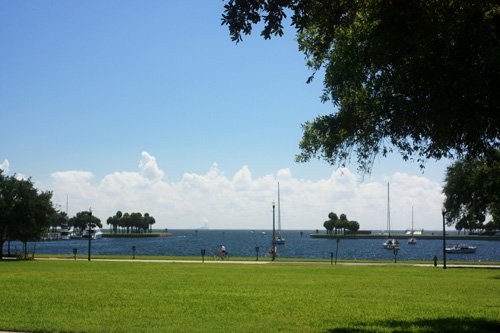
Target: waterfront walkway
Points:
(278, 262)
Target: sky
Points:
(150, 107)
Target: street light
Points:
(395, 249)
(90, 230)
(273, 243)
(444, 239)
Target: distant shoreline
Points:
(404, 236)
(136, 235)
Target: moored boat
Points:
(412, 240)
(65, 232)
(461, 248)
(95, 232)
(278, 238)
(390, 243)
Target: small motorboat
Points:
(461, 248)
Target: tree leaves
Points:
(25, 213)
(471, 189)
(419, 77)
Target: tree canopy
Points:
(417, 77)
(135, 222)
(335, 223)
(81, 220)
(472, 193)
(25, 212)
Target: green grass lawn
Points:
(80, 296)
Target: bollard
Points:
(435, 259)
(133, 251)
(331, 258)
(257, 253)
(395, 249)
(203, 255)
(74, 252)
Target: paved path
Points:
(277, 262)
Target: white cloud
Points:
(244, 202)
(242, 179)
(72, 177)
(5, 166)
(149, 168)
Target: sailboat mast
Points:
(412, 220)
(67, 216)
(279, 210)
(388, 212)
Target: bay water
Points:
(245, 243)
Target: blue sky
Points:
(156, 97)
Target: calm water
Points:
(242, 243)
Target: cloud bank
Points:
(245, 202)
(5, 166)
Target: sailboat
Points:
(279, 239)
(412, 240)
(66, 231)
(390, 243)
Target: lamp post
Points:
(273, 243)
(90, 231)
(444, 239)
(395, 249)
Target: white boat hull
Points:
(279, 241)
(95, 233)
(461, 248)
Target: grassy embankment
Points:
(80, 296)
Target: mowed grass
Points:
(79, 296)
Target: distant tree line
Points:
(80, 221)
(25, 212)
(336, 224)
(131, 223)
